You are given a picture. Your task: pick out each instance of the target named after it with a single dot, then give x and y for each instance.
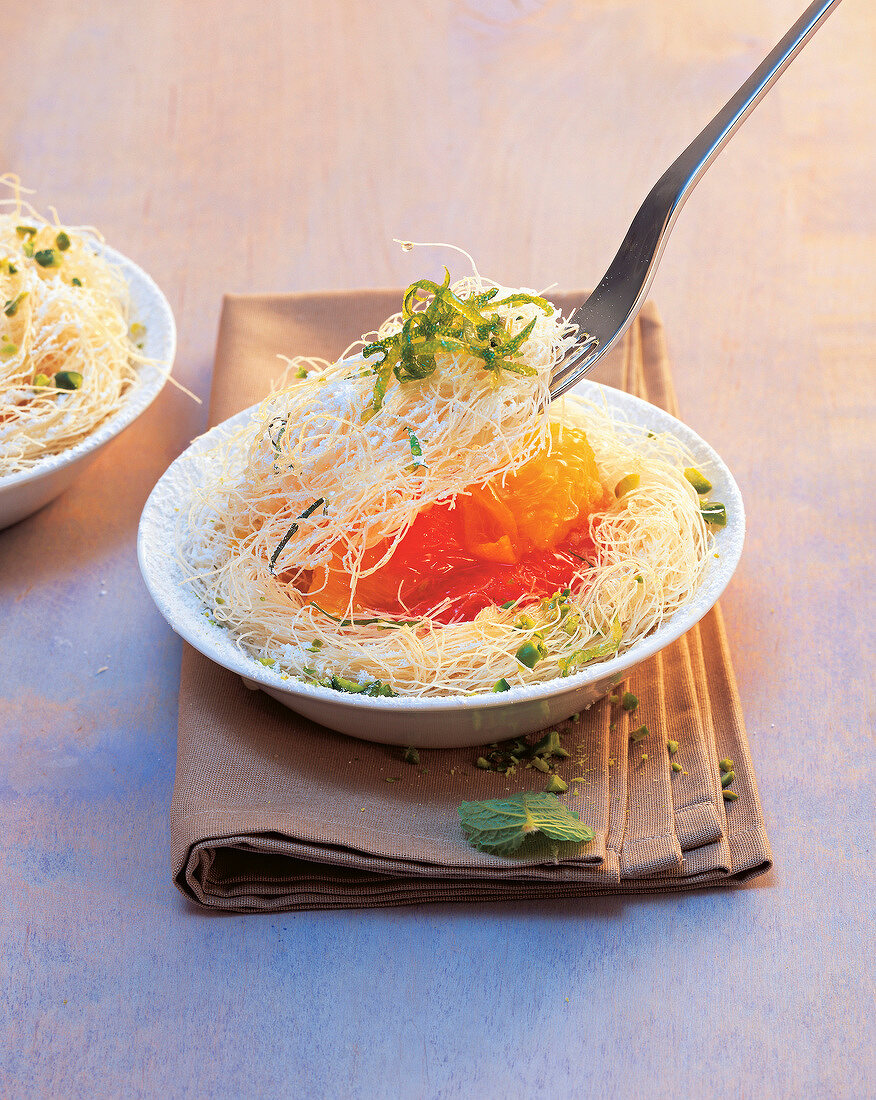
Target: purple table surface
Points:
(280, 146)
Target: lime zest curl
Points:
(436, 319)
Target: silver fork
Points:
(612, 307)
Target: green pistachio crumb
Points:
(483, 763)
(530, 653)
(556, 785)
(715, 513)
(673, 747)
(541, 765)
(411, 755)
(631, 481)
(727, 778)
(676, 767)
(629, 702)
(62, 241)
(68, 380)
(699, 482)
(11, 307)
(47, 257)
(729, 796)
(726, 765)
(501, 685)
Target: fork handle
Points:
(624, 286)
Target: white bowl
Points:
(447, 721)
(25, 492)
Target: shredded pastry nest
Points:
(56, 332)
(311, 474)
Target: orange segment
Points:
(538, 506)
(494, 534)
(489, 529)
(555, 492)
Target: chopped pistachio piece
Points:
(727, 778)
(631, 481)
(68, 380)
(47, 257)
(700, 483)
(411, 755)
(11, 307)
(556, 785)
(729, 796)
(726, 765)
(673, 747)
(714, 513)
(530, 653)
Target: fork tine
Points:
(584, 348)
(574, 367)
(559, 388)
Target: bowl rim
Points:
(185, 614)
(161, 339)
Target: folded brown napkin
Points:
(271, 811)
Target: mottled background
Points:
(281, 146)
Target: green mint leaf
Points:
(500, 825)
